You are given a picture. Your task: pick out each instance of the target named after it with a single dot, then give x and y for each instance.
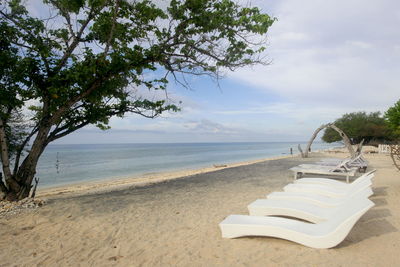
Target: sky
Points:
(327, 58)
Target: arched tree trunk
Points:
(359, 147)
(301, 151)
(305, 154)
(345, 138)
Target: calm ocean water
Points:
(67, 164)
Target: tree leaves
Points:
(358, 126)
(62, 63)
(87, 61)
(392, 116)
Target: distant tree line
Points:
(371, 127)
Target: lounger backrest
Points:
(350, 213)
(365, 177)
(343, 164)
(364, 192)
(339, 226)
(358, 161)
(360, 185)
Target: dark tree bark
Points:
(19, 184)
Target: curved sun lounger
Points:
(334, 183)
(327, 190)
(358, 161)
(318, 199)
(322, 235)
(339, 169)
(322, 170)
(298, 209)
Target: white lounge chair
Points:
(327, 190)
(322, 170)
(336, 168)
(322, 235)
(334, 183)
(318, 199)
(298, 209)
(359, 161)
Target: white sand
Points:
(175, 223)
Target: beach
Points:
(173, 221)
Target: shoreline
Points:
(119, 183)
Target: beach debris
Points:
(15, 207)
(115, 258)
(220, 165)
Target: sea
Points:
(70, 164)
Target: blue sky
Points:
(328, 58)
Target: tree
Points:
(343, 137)
(89, 60)
(392, 116)
(358, 126)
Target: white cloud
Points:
(335, 54)
(209, 127)
(328, 58)
(295, 112)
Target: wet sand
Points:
(175, 223)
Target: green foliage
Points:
(392, 116)
(17, 129)
(88, 66)
(90, 60)
(359, 126)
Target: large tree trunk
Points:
(359, 147)
(346, 140)
(20, 183)
(5, 161)
(27, 170)
(24, 177)
(308, 148)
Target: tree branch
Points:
(3, 187)
(110, 37)
(75, 42)
(5, 160)
(21, 149)
(67, 17)
(34, 36)
(58, 134)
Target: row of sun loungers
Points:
(335, 167)
(357, 162)
(315, 212)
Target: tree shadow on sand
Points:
(379, 191)
(373, 223)
(368, 229)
